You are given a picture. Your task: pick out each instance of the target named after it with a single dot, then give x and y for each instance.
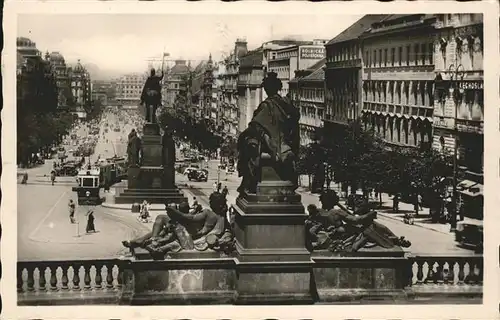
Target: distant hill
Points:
(97, 73)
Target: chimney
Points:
(240, 47)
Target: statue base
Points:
(151, 182)
(274, 265)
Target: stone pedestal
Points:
(274, 266)
(151, 182)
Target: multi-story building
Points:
(307, 93)
(285, 61)
(459, 101)
(343, 78)
(228, 109)
(129, 88)
(175, 81)
(61, 71)
(209, 92)
(81, 89)
(250, 92)
(397, 89)
(103, 91)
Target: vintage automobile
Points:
(198, 175)
(192, 167)
(69, 168)
(88, 190)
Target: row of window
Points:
(419, 93)
(342, 54)
(417, 54)
(315, 94)
(399, 130)
(407, 110)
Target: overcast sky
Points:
(123, 42)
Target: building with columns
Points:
(458, 116)
(307, 92)
(397, 79)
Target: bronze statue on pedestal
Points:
(134, 148)
(273, 133)
(151, 95)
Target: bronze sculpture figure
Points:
(272, 134)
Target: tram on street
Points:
(89, 185)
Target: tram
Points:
(89, 185)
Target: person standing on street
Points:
(90, 222)
(53, 176)
(71, 206)
(225, 191)
(395, 203)
(215, 186)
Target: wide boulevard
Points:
(45, 232)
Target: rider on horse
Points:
(151, 95)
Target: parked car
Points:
(191, 168)
(198, 175)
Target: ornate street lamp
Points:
(455, 74)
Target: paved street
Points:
(425, 237)
(44, 229)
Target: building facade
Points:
(343, 76)
(250, 92)
(228, 109)
(104, 91)
(175, 81)
(285, 61)
(459, 102)
(81, 89)
(307, 92)
(398, 74)
(129, 88)
(209, 92)
(61, 71)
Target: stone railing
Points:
(441, 278)
(425, 279)
(69, 282)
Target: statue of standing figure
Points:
(273, 132)
(134, 148)
(151, 95)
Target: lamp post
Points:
(455, 73)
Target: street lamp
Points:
(455, 73)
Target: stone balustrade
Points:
(426, 279)
(446, 277)
(69, 282)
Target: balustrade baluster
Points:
(448, 274)
(31, 281)
(53, 277)
(42, 283)
(440, 273)
(86, 278)
(64, 278)
(20, 281)
(430, 272)
(480, 272)
(98, 276)
(461, 272)
(119, 278)
(76, 277)
(420, 271)
(109, 275)
(469, 277)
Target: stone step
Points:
(153, 199)
(152, 191)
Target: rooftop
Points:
(358, 28)
(252, 59)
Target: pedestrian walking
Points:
(225, 191)
(420, 202)
(90, 222)
(215, 185)
(395, 203)
(71, 207)
(53, 176)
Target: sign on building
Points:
(312, 52)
